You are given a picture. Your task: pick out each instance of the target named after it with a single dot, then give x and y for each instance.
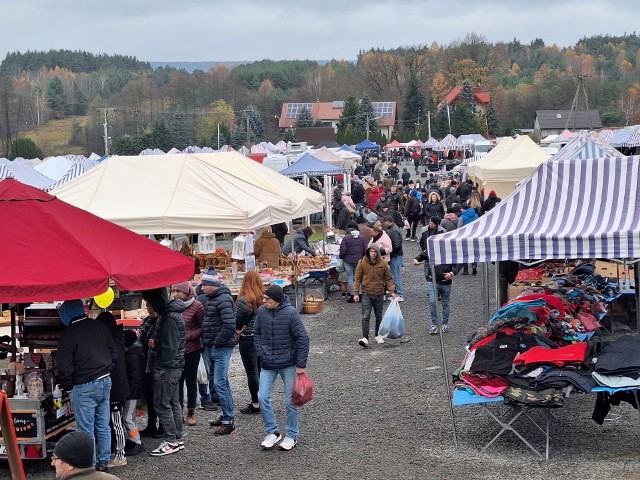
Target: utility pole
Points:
(218, 136)
(367, 126)
(418, 123)
(429, 123)
(106, 129)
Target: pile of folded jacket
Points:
(534, 350)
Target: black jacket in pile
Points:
(86, 352)
(219, 326)
(135, 362)
(169, 337)
(119, 382)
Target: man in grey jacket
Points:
(282, 345)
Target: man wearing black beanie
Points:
(73, 458)
(282, 346)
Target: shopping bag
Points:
(302, 390)
(392, 325)
(202, 377)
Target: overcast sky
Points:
(228, 30)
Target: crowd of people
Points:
(111, 371)
(373, 216)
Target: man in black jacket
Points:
(168, 345)
(396, 254)
(444, 276)
(219, 338)
(86, 355)
(280, 230)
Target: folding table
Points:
(462, 397)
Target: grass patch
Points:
(53, 137)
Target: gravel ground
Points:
(382, 413)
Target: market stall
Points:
(53, 251)
(580, 209)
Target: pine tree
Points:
(493, 121)
(238, 138)
(25, 148)
(181, 131)
(304, 119)
(365, 113)
(56, 99)
(414, 104)
(349, 114)
(289, 135)
(256, 124)
(160, 137)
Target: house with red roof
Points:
(480, 100)
(328, 113)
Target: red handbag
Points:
(302, 390)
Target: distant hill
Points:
(205, 66)
(191, 66)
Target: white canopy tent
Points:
(512, 163)
(170, 194)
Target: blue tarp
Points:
(367, 145)
(310, 165)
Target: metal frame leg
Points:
(508, 427)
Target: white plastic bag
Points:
(202, 377)
(392, 325)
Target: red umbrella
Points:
(51, 250)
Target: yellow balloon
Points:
(104, 299)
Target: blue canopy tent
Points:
(367, 145)
(308, 165)
(347, 148)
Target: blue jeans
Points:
(267, 379)
(350, 269)
(208, 392)
(395, 264)
(219, 369)
(90, 402)
(445, 293)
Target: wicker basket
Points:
(312, 303)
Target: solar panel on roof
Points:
(293, 109)
(382, 109)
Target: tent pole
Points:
(497, 284)
(293, 262)
(14, 348)
(636, 292)
(447, 388)
(307, 218)
(485, 292)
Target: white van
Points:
(276, 162)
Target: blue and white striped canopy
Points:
(583, 208)
(585, 145)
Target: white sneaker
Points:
(399, 298)
(271, 440)
(165, 448)
(379, 339)
(363, 342)
(287, 444)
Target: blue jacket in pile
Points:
(219, 325)
(280, 338)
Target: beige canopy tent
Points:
(501, 171)
(171, 194)
(304, 201)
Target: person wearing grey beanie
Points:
(73, 458)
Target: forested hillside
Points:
(167, 107)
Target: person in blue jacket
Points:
(282, 345)
(468, 215)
